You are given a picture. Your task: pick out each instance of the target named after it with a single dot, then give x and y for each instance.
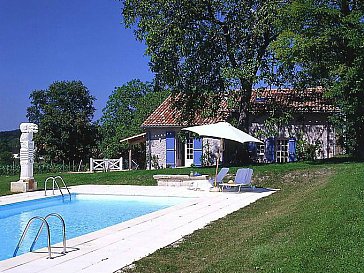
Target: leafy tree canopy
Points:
(10, 141)
(323, 44)
(127, 108)
(203, 48)
(6, 158)
(64, 115)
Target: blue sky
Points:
(42, 41)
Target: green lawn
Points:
(315, 223)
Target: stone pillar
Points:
(26, 181)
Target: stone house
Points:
(309, 123)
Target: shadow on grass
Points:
(336, 160)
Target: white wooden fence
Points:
(106, 165)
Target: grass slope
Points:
(314, 224)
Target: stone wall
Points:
(210, 150)
(156, 148)
(311, 127)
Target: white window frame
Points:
(260, 149)
(189, 148)
(282, 150)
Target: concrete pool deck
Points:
(112, 248)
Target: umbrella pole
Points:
(217, 167)
(217, 161)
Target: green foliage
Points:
(273, 124)
(13, 167)
(307, 151)
(6, 158)
(205, 48)
(10, 141)
(322, 44)
(155, 162)
(207, 158)
(127, 108)
(64, 115)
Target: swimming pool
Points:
(83, 214)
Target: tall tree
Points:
(128, 106)
(322, 44)
(64, 114)
(9, 141)
(203, 48)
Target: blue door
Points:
(292, 150)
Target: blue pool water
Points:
(82, 215)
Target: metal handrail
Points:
(63, 231)
(44, 222)
(45, 185)
(54, 182)
(64, 184)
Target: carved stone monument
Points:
(26, 182)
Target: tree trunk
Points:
(359, 139)
(244, 114)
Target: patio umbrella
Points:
(222, 130)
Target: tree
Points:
(322, 44)
(127, 108)
(204, 48)
(64, 115)
(6, 158)
(9, 141)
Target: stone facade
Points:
(156, 149)
(311, 128)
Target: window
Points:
(260, 149)
(282, 150)
(189, 151)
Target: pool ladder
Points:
(44, 223)
(55, 183)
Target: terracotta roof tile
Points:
(167, 115)
(310, 100)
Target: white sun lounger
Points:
(208, 184)
(219, 177)
(242, 179)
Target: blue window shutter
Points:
(269, 149)
(170, 149)
(292, 149)
(252, 148)
(197, 152)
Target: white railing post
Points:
(106, 164)
(91, 165)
